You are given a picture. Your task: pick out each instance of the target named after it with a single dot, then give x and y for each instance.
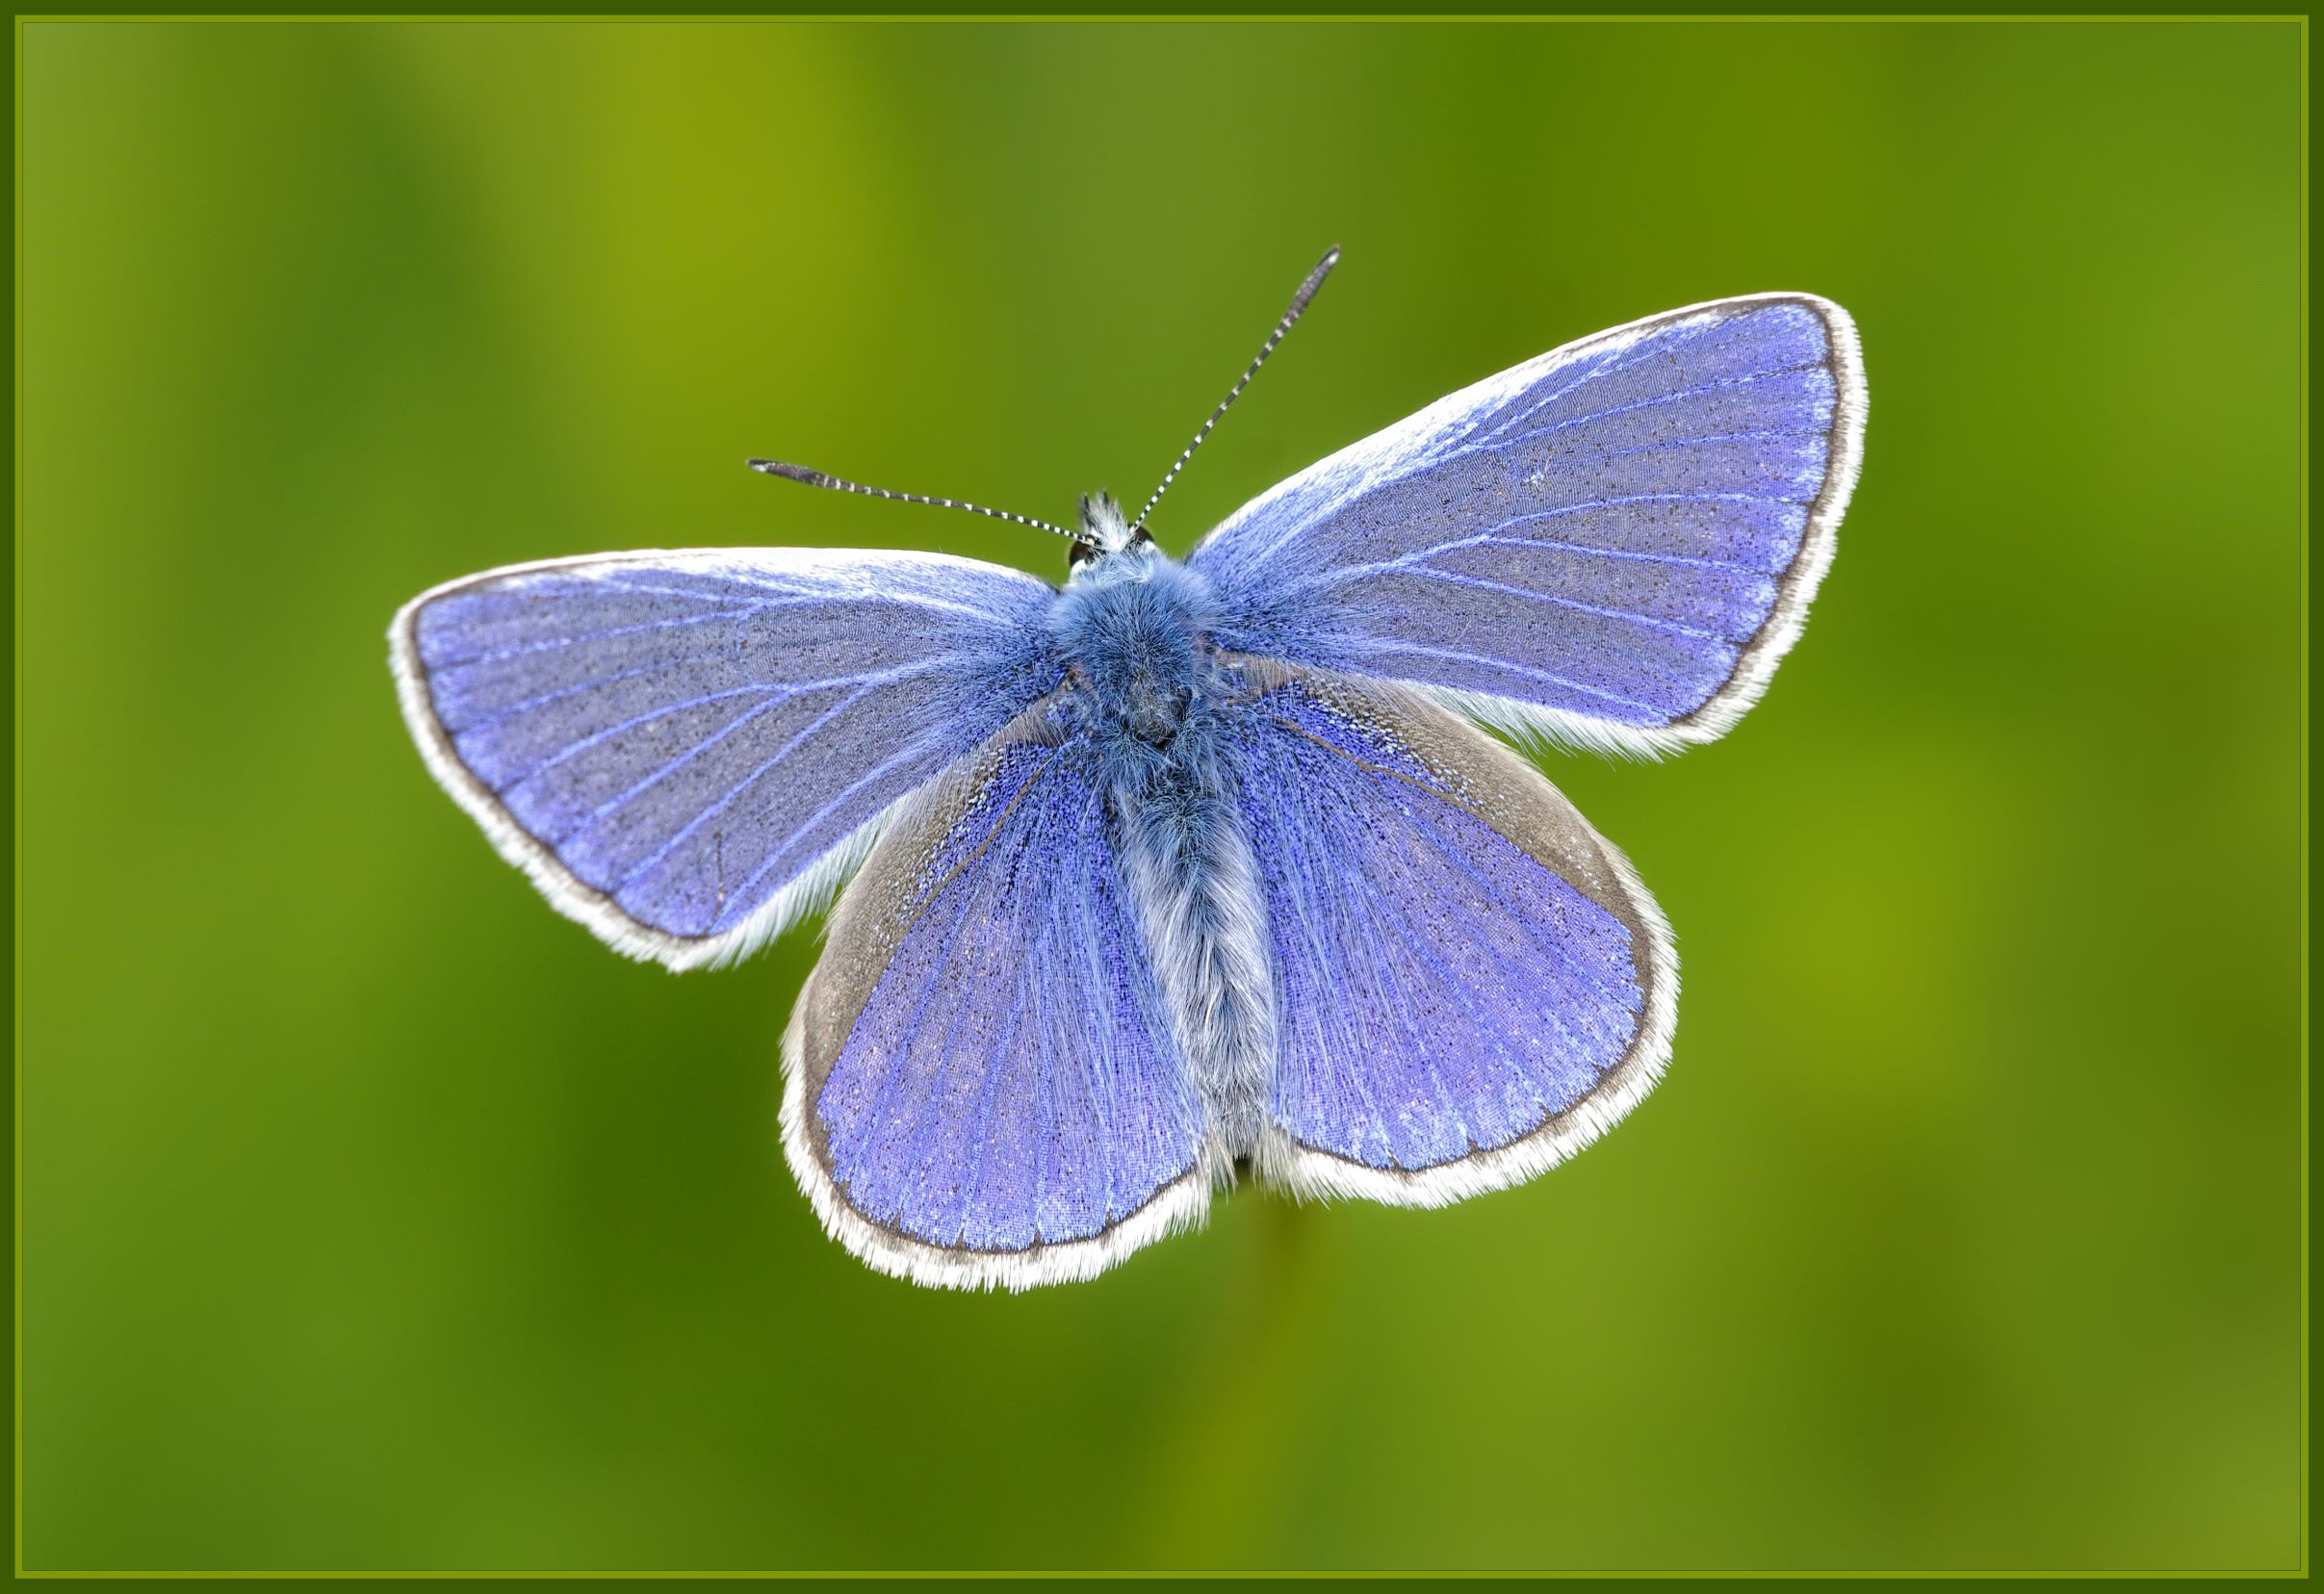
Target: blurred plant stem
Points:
(1218, 1467)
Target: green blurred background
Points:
(376, 1216)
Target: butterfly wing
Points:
(683, 750)
(1612, 545)
(981, 1087)
(1471, 984)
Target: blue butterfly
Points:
(1188, 868)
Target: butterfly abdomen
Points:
(1147, 688)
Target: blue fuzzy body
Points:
(1145, 683)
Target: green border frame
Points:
(1065, 18)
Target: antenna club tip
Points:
(789, 473)
(1315, 280)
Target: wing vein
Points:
(1503, 439)
(1430, 572)
(1619, 359)
(784, 692)
(1454, 656)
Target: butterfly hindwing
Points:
(683, 749)
(1613, 544)
(1470, 983)
(982, 1088)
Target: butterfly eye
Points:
(1081, 552)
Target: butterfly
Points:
(1180, 871)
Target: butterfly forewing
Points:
(1613, 543)
(683, 748)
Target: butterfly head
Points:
(1129, 627)
(1104, 531)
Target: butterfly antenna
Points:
(818, 478)
(1298, 306)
